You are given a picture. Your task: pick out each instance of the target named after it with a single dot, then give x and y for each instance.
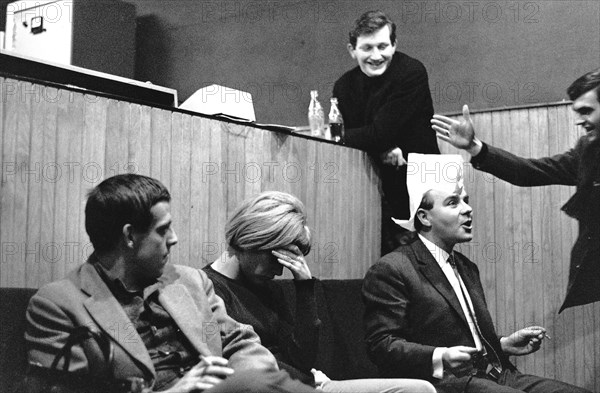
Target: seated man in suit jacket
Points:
(426, 315)
(166, 329)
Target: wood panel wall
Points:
(57, 144)
(522, 243)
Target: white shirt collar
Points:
(438, 254)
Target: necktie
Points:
(493, 358)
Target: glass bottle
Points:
(336, 122)
(316, 116)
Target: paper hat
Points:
(426, 172)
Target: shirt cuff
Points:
(437, 363)
(477, 160)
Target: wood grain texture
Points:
(56, 149)
(58, 144)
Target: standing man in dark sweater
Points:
(386, 104)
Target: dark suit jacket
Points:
(83, 299)
(411, 308)
(570, 168)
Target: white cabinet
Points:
(98, 35)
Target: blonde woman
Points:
(266, 234)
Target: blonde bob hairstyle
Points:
(268, 221)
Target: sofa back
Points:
(342, 352)
(13, 355)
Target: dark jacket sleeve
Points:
(558, 169)
(241, 345)
(401, 120)
(386, 297)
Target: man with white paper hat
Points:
(425, 310)
(429, 171)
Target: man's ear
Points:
(423, 216)
(231, 250)
(128, 235)
(351, 50)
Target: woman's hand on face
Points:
(292, 258)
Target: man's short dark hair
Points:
(368, 23)
(426, 204)
(120, 200)
(585, 83)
